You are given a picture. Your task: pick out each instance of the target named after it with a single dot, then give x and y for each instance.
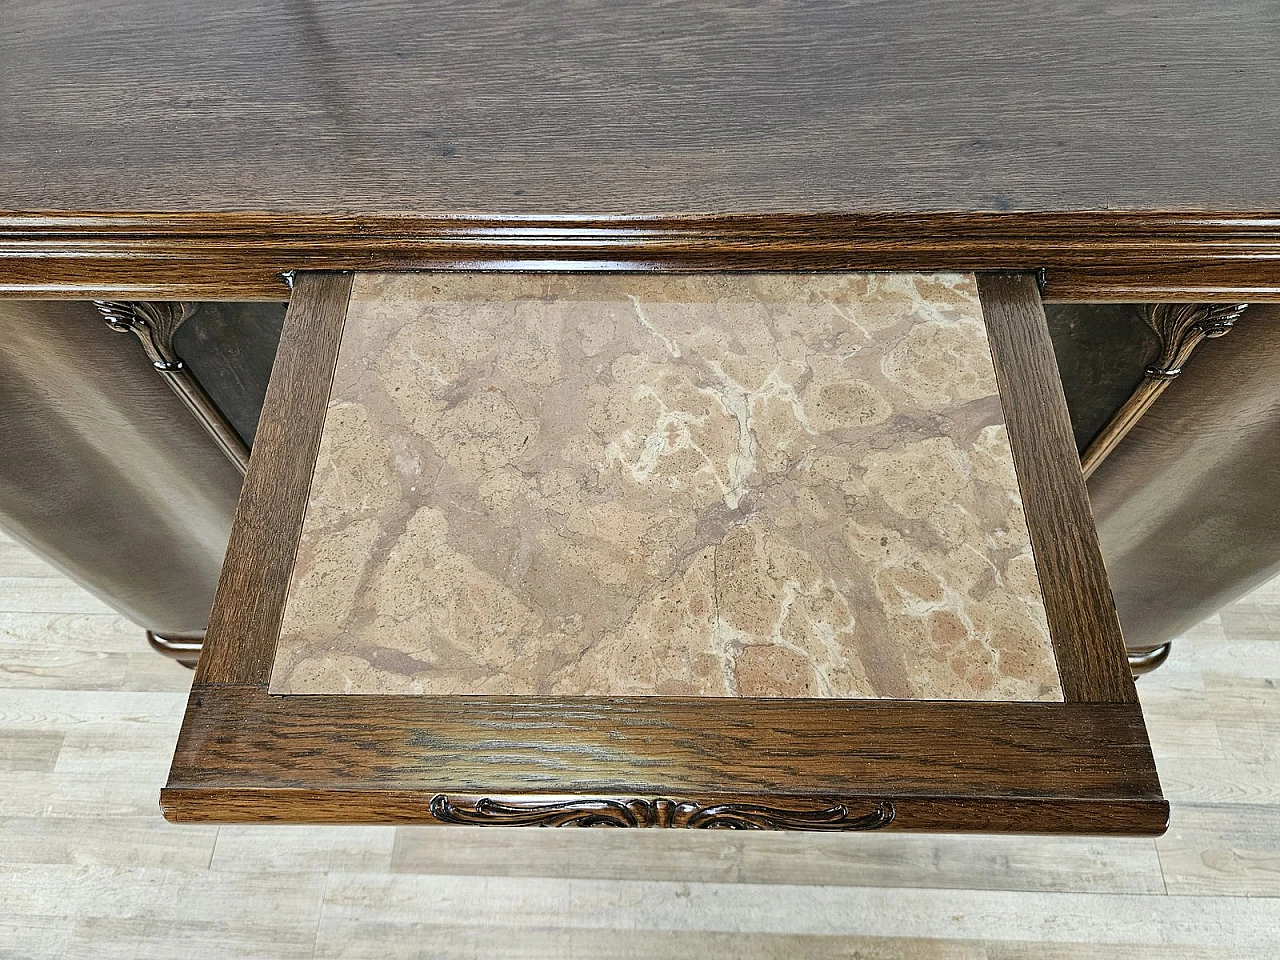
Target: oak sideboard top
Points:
(639, 108)
(201, 151)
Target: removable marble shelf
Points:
(672, 550)
(760, 486)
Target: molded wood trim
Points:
(1106, 255)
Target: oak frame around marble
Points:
(1081, 766)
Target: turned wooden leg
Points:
(1145, 659)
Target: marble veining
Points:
(624, 485)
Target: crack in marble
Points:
(672, 347)
(736, 401)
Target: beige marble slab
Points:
(733, 485)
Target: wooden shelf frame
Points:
(1081, 766)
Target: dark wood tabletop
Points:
(646, 107)
(993, 133)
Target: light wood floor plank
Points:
(17, 561)
(74, 797)
(29, 751)
(191, 935)
(276, 913)
(254, 849)
(1116, 951)
(1210, 780)
(88, 869)
(1230, 850)
(72, 709)
(993, 863)
(393, 942)
(86, 632)
(82, 652)
(24, 937)
(143, 841)
(356, 899)
(51, 594)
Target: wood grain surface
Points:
(517, 107)
(1082, 615)
(241, 737)
(1037, 768)
(245, 620)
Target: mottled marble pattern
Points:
(750, 485)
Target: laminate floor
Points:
(88, 868)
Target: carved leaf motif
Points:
(659, 812)
(752, 817)
(153, 323)
(1181, 327)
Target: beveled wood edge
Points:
(990, 766)
(244, 624)
(1083, 624)
(1099, 255)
